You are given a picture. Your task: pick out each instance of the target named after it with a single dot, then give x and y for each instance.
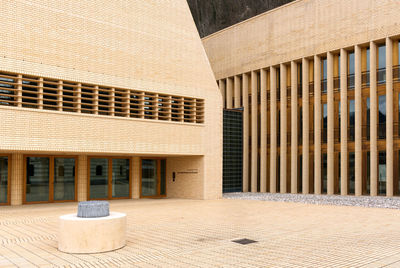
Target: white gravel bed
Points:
(337, 200)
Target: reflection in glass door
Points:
(3, 179)
(120, 178)
(98, 178)
(37, 179)
(49, 179)
(153, 178)
(64, 179)
(149, 177)
(109, 178)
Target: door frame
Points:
(158, 177)
(51, 178)
(9, 157)
(109, 175)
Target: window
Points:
(382, 173)
(382, 117)
(324, 122)
(351, 71)
(352, 172)
(324, 84)
(381, 75)
(59, 95)
(352, 120)
(367, 128)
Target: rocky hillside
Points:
(213, 15)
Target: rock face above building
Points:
(213, 15)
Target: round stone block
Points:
(92, 235)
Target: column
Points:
(237, 92)
(358, 122)
(283, 126)
(222, 88)
(374, 121)
(16, 179)
(263, 143)
(254, 132)
(112, 102)
(82, 178)
(40, 93)
(331, 125)
(78, 101)
(135, 177)
(229, 93)
(343, 123)
(317, 125)
(245, 100)
(293, 125)
(273, 149)
(60, 95)
(19, 90)
(389, 117)
(96, 100)
(306, 128)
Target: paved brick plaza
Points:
(191, 233)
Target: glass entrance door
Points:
(153, 178)
(4, 168)
(109, 178)
(49, 179)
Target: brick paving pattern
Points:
(194, 233)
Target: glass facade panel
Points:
(381, 75)
(3, 179)
(351, 71)
(398, 174)
(338, 132)
(368, 62)
(324, 74)
(324, 122)
(300, 174)
(351, 63)
(382, 173)
(98, 178)
(382, 117)
(368, 182)
(163, 177)
(352, 172)
(352, 119)
(382, 57)
(149, 177)
(37, 179)
(64, 179)
(324, 173)
(367, 128)
(120, 177)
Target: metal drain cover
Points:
(244, 241)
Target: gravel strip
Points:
(336, 200)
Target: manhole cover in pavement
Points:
(244, 241)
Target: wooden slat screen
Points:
(27, 91)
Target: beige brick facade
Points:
(136, 45)
(330, 71)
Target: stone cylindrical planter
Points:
(92, 235)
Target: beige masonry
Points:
(327, 46)
(112, 45)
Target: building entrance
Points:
(49, 179)
(153, 179)
(4, 185)
(109, 178)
